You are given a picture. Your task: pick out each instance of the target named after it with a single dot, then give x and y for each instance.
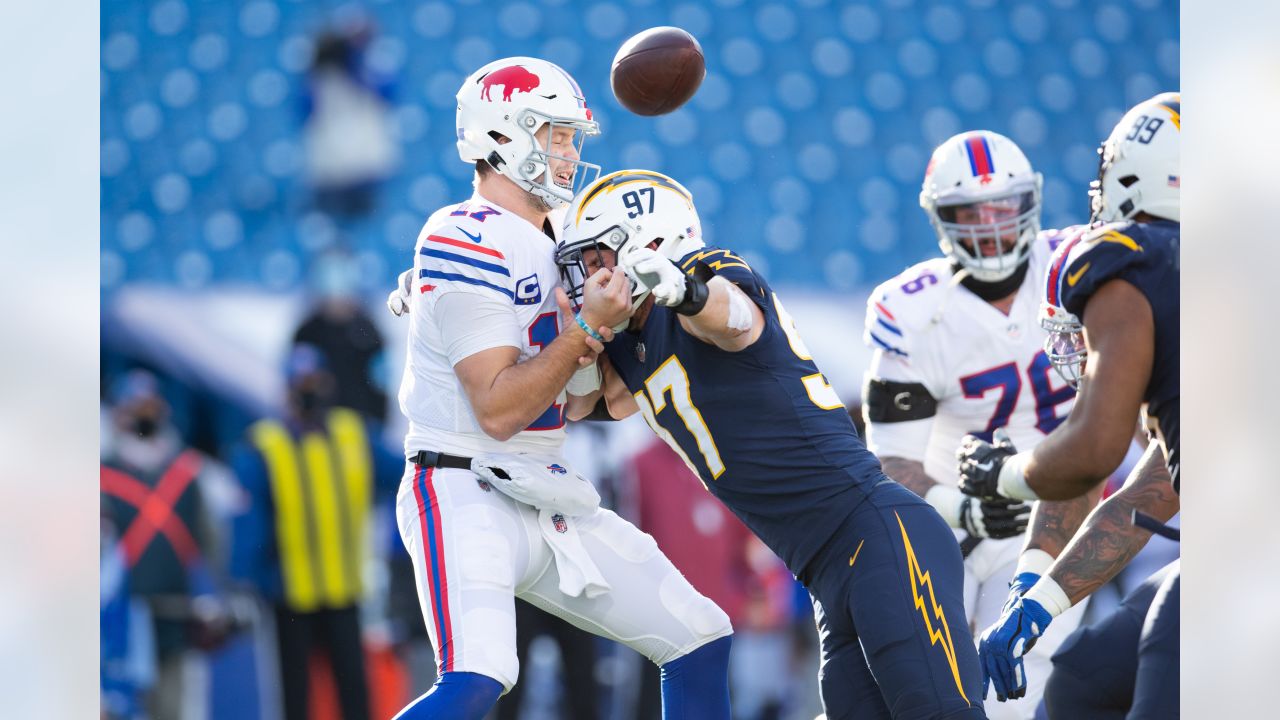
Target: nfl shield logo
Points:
(559, 522)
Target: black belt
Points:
(428, 458)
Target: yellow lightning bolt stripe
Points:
(1112, 236)
(730, 260)
(1173, 104)
(613, 181)
(920, 579)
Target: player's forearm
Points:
(1074, 459)
(729, 320)
(523, 391)
(1109, 539)
(580, 406)
(1055, 522)
(909, 474)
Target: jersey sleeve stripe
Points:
(472, 247)
(886, 346)
(464, 279)
(1054, 281)
(885, 312)
(464, 260)
(885, 324)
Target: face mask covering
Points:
(145, 427)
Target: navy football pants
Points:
(1124, 666)
(888, 594)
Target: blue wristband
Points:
(588, 329)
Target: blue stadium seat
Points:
(804, 146)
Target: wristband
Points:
(1013, 482)
(1050, 595)
(695, 296)
(947, 500)
(588, 329)
(1034, 561)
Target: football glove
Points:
(1004, 644)
(996, 519)
(398, 299)
(980, 464)
(655, 273)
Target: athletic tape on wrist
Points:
(1050, 595)
(1035, 561)
(1013, 480)
(946, 500)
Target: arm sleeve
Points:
(469, 323)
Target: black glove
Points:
(980, 464)
(995, 519)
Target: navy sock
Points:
(460, 695)
(696, 686)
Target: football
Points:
(657, 70)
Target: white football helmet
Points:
(515, 98)
(625, 210)
(1140, 168)
(980, 189)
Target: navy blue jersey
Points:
(761, 427)
(1146, 256)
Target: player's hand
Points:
(996, 519)
(606, 299)
(980, 464)
(1005, 643)
(398, 300)
(1018, 587)
(654, 273)
(595, 347)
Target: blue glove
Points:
(1018, 587)
(1004, 643)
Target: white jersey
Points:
(480, 249)
(985, 369)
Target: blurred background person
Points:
(340, 328)
(300, 540)
(152, 502)
(347, 134)
(723, 560)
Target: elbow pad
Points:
(890, 401)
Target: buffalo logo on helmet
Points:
(511, 78)
(561, 525)
(557, 469)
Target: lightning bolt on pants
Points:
(888, 595)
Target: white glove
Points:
(398, 299)
(654, 273)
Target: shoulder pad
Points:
(905, 304)
(1082, 264)
(731, 267)
(453, 252)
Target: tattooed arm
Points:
(909, 473)
(1001, 519)
(1109, 539)
(1055, 522)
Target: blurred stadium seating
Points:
(804, 147)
